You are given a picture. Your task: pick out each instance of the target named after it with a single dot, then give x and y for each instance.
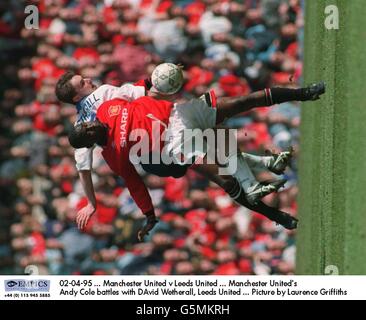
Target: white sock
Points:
(238, 167)
(257, 163)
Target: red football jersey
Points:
(128, 122)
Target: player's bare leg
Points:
(228, 107)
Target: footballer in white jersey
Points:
(72, 88)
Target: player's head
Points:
(86, 134)
(71, 87)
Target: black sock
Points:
(233, 188)
(279, 95)
(271, 213)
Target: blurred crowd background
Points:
(234, 47)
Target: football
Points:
(167, 78)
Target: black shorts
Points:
(166, 170)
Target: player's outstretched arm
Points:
(141, 196)
(84, 160)
(85, 213)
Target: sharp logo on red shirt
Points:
(114, 110)
(124, 119)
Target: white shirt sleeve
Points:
(84, 158)
(127, 92)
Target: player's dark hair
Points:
(65, 92)
(78, 137)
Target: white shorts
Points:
(199, 114)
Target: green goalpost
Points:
(332, 201)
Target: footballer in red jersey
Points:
(118, 122)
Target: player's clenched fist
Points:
(151, 221)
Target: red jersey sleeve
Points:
(137, 188)
(146, 83)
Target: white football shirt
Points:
(87, 110)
